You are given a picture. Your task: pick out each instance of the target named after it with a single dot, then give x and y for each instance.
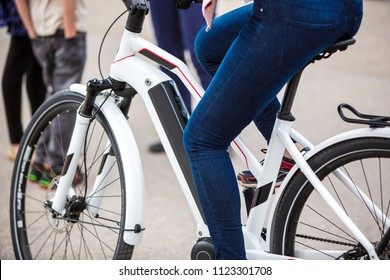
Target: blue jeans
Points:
(252, 52)
(62, 62)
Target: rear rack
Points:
(372, 120)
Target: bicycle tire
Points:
(304, 227)
(36, 233)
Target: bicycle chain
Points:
(325, 240)
(387, 250)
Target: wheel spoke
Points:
(75, 233)
(305, 223)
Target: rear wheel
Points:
(304, 226)
(93, 225)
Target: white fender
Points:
(352, 134)
(131, 160)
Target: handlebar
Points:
(138, 9)
(185, 4)
(134, 5)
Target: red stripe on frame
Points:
(162, 58)
(246, 159)
(123, 58)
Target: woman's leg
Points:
(18, 60)
(36, 89)
(229, 27)
(279, 39)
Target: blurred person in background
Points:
(20, 63)
(175, 30)
(57, 30)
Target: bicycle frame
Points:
(132, 66)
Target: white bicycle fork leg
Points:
(95, 197)
(284, 134)
(76, 144)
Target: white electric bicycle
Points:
(333, 204)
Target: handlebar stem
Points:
(138, 9)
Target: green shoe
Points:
(49, 174)
(47, 177)
(35, 173)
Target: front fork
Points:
(84, 115)
(94, 199)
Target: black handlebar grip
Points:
(185, 4)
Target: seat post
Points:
(289, 96)
(292, 86)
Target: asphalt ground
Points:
(360, 76)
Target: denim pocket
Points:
(311, 25)
(305, 39)
(38, 47)
(72, 51)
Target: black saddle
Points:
(340, 45)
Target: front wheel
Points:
(305, 227)
(92, 228)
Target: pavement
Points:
(360, 76)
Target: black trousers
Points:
(20, 63)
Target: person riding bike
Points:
(251, 52)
